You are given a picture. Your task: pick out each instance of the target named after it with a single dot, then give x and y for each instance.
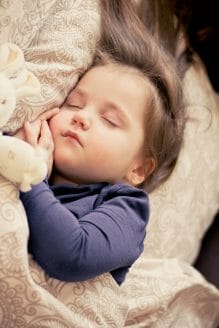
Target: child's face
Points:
(99, 131)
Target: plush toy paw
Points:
(22, 164)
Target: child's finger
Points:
(48, 114)
(31, 134)
(45, 139)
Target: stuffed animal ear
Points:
(12, 65)
(11, 60)
(29, 87)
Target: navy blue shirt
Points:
(79, 232)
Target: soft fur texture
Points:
(19, 162)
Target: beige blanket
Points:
(162, 289)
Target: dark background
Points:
(201, 19)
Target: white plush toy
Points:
(20, 163)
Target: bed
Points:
(162, 289)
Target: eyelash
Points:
(71, 106)
(111, 123)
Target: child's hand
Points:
(38, 134)
(36, 123)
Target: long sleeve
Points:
(107, 238)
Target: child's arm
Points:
(109, 237)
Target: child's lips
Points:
(74, 136)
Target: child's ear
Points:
(141, 171)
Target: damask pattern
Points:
(162, 289)
(184, 207)
(58, 39)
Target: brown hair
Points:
(125, 41)
(161, 19)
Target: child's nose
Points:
(80, 120)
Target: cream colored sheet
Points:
(162, 289)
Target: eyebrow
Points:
(76, 91)
(80, 91)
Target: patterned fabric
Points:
(185, 206)
(162, 289)
(58, 39)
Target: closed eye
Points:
(110, 122)
(73, 106)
